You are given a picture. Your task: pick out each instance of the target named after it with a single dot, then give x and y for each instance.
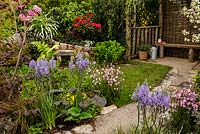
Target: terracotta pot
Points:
(143, 55)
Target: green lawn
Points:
(139, 72)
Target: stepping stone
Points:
(83, 129)
(108, 109)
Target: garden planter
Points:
(143, 55)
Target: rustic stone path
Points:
(181, 75)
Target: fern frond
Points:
(44, 49)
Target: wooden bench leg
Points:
(191, 55)
(161, 51)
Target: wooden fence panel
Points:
(144, 35)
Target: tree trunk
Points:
(128, 39)
(129, 9)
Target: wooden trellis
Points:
(171, 24)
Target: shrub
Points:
(108, 51)
(84, 27)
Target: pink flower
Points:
(28, 18)
(22, 17)
(32, 13)
(20, 7)
(76, 25)
(37, 9)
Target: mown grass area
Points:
(135, 72)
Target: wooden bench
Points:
(190, 47)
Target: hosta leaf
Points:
(85, 115)
(74, 111)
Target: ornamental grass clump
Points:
(108, 80)
(152, 106)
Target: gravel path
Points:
(124, 117)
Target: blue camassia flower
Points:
(144, 97)
(80, 63)
(42, 67)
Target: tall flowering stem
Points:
(26, 19)
(78, 67)
(43, 71)
(156, 103)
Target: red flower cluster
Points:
(86, 21)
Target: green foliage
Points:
(111, 14)
(147, 12)
(44, 49)
(35, 129)
(43, 27)
(75, 114)
(48, 111)
(64, 12)
(197, 82)
(7, 26)
(143, 47)
(93, 110)
(108, 51)
(181, 120)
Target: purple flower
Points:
(71, 65)
(82, 64)
(135, 94)
(32, 64)
(142, 94)
(79, 56)
(42, 67)
(52, 63)
(159, 99)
